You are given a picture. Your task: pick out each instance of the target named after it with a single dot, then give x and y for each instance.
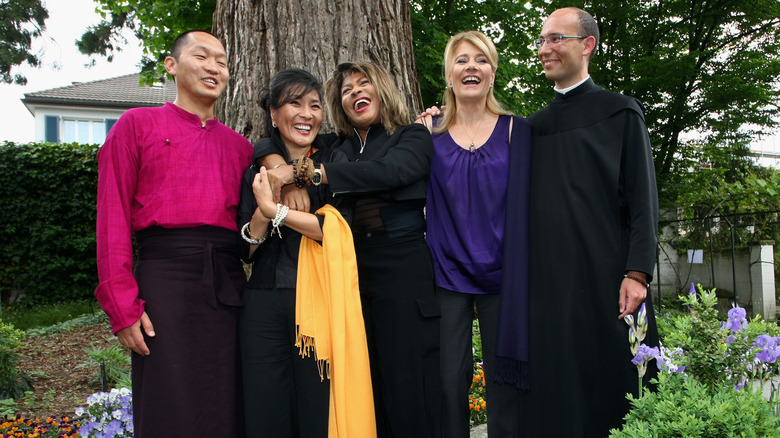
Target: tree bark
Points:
(263, 37)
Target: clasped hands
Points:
(280, 180)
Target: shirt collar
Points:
(567, 89)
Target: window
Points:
(83, 131)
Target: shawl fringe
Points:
(512, 372)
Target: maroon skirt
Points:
(191, 280)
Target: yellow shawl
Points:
(329, 322)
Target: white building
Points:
(83, 112)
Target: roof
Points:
(118, 92)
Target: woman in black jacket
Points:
(386, 177)
(284, 395)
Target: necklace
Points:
(472, 148)
(360, 139)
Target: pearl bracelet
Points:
(245, 233)
(278, 221)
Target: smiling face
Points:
(565, 62)
(360, 101)
(200, 70)
(299, 121)
(470, 73)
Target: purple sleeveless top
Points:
(465, 211)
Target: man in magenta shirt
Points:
(171, 176)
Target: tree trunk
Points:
(263, 37)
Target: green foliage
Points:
(706, 401)
(66, 326)
(41, 403)
(749, 200)
(156, 23)
(685, 408)
(116, 361)
(7, 407)
(715, 356)
(47, 250)
(45, 315)
(20, 22)
(511, 26)
(13, 383)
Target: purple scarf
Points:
(513, 321)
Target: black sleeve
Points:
(642, 195)
(406, 161)
(266, 146)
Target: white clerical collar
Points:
(567, 89)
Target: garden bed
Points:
(52, 361)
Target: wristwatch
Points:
(316, 179)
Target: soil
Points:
(52, 361)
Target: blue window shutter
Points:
(109, 124)
(52, 134)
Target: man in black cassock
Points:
(594, 211)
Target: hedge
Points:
(47, 221)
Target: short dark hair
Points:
(181, 41)
(286, 86)
(588, 27)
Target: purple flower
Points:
(736, 321)
(737, 313)
(770, 349)
(645, 354)
(693, 290)
(764, 341)
(667, 360)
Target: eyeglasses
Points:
(554, 38)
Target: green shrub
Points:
(13, 383)
(116, 361)
(66, 326)
(26, 317)
(685, 408)
(719, 394)
(47, 223)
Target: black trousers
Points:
(457, 314)
(401, 315)
(191, 280)
(284, 396)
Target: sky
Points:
(62, 64)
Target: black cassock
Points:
(594, 211)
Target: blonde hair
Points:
(484, 45)
(392, 110)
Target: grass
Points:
(46, 315)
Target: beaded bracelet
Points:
(247, 235)
(278, 220)
(635, 278)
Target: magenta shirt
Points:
(160, 166)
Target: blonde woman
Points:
(467, 201)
